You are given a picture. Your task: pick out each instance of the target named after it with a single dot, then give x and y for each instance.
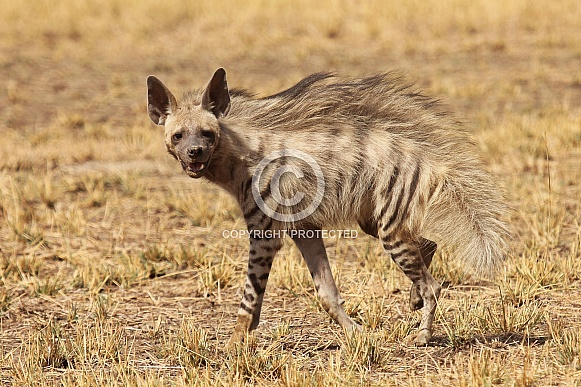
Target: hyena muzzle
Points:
(371, 151)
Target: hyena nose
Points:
(195, 151)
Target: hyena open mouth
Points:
(196, 169)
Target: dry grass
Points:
(113, 267)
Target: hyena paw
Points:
(419, 339)
(237, 338)
(416, 301)
(423, 338)
(232, 343)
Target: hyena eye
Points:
(176, 137)
(208, 135)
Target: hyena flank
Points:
(329, 152)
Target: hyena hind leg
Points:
(315, 255)
(427, 250)
(406, 253)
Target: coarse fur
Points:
(393, 161)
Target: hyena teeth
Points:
(196, 167)
(416, 180)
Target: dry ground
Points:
(113, 267)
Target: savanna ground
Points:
(113, 267)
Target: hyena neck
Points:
(232, 161)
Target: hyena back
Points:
(390, 159)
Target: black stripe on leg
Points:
(268, 224)
(257, 260)
(264, 276)
(392, 246)
(247, 309)
(260, 224)
(255, 284)
(395, 256)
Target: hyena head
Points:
(192, 131)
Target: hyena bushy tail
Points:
(466, 213)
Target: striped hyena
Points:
(330, 152)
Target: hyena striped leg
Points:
(406, 252)
(427, 250)
(262, 251)
(315, 255)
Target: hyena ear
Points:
(160, 101)
(216, 98)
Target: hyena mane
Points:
(391, 159)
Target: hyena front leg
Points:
(261, 254)
(315, 255)
(406, 252)
(427, 250)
